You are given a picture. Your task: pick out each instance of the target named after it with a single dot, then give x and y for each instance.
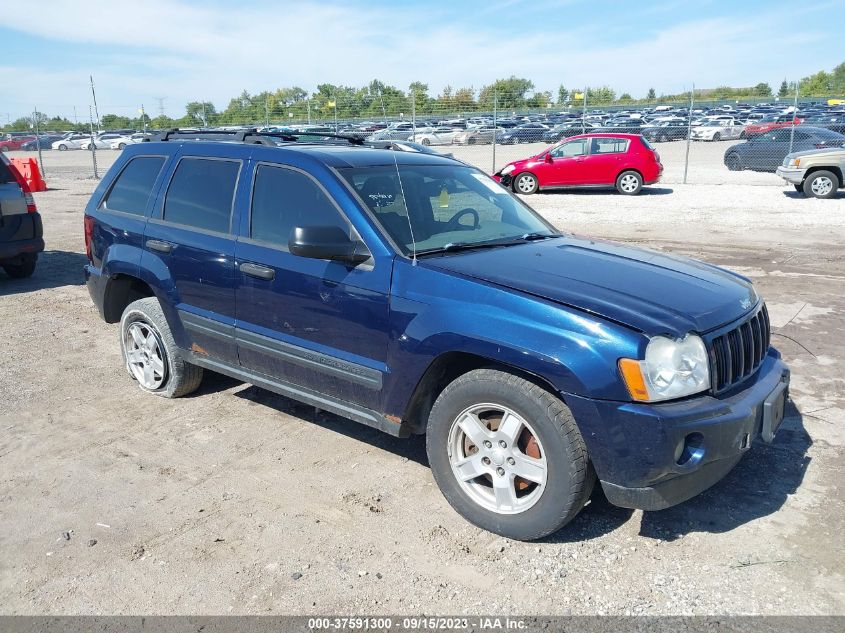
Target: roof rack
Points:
(251, 135)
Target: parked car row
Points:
(71, 140)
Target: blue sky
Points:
(182, 50)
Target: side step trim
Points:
(362, 415)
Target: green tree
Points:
(625, 97)
(562, 95)
(784, 89)
(418, 92)
(762, 90)
(510, 93)
(837, 80)
(821, 83)
(200, 113)
(600, 95)
(652, 95)
(114, 122)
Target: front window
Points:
(432, 207)
(570, 148)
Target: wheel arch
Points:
(121, 290)
(836, 171)
(447, 367)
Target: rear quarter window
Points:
(201, 193)
(131, 190)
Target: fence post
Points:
(794, 114)
(689, 130)
(584, 111)
(93, 146)
(414, 115)
(495, 133)
(38, 142)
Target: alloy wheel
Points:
(145, 356)
(821, 186)
(497, 458)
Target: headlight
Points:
(671, 369)
(794, 162)
(507, 169)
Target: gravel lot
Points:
(235, 500)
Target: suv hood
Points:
(838, 151)
(649, 291)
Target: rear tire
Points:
(821, 184)
(62, 147)
(717, 137)
(534, 433)
(24, 269)
(526, 184)
(629, 183)
(425, 142)
(150, 353)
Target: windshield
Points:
(447, 205)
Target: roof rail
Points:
(251, 135)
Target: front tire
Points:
(733, 162)
(24, 269)
(507, 455)
(150, 353)
(526, 184)
(821, 184)
(425, 142)
(629, 183)
(63, 147)
(717, 137)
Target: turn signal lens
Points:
(634, 381)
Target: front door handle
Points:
(160, 246)
(254, 270)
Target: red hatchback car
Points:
(624, 161)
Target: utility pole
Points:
(161, 105)
(94, 94)
(143, 119)
(414, 115)
(309, 110)
(267, 110)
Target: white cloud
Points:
(180, 51)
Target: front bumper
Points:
(792, 175)
(634, 447)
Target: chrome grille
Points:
(737, 354)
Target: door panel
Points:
(314, 323)
(190, 235)
(568, 165)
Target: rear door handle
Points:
(254, 270)
(160, 246)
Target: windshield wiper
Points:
(533, 237)
(452, 247)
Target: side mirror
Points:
(548, 157)
(326, 242)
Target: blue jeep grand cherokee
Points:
(412, 293)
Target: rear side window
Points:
(603, 145)
(133, 187)
(283, 199)
(201, 193)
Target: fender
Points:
(575, 352)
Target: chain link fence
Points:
(700, 137)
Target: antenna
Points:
(407, 210)
(401, 190)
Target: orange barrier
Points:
(28, 168)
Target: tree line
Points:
(378, 100)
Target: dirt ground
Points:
(235, 500)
